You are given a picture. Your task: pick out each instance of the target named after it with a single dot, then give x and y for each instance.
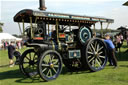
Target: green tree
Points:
(1, 24)
(1, 30)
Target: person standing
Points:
(11, 50)
(111, 51)
(19, 44)
(4, 44)
(118, 43)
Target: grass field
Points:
(107, 76)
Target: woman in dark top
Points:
(11, 50)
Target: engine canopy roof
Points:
(51, 17)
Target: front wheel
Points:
(49, 65)
(95, 54)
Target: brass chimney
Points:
(42, 5)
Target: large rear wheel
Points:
(95, 54)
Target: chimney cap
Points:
(42, 5)
(43, 8)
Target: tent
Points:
(8, 37)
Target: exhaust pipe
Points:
(42, 5)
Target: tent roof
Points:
(6, 36)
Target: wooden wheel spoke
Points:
(46, 65)
(52, 58)
(100, 49)
(99, 59)
(56, 66)
(44, 69)
(90, 49)
(102, 56)
(97, 48)
(55, 62)
(50, 72)
(100, 52)
(90, 53)
(91, 59)
(93, 47)
(89, 56)
(98, 62)
(54, 70)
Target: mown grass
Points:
(107, 76)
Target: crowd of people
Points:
(17, 44)
(118, 42)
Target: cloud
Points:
(11, 27)
(120, 16)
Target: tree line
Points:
(1, 24)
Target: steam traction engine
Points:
(55, 38)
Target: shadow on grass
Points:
(124, 66)
(2, 66)
(122, 56)
(66, 71)
(10, 74)
(30, 80)
(20, 78)
(16, 74)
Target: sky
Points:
(104, 8)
